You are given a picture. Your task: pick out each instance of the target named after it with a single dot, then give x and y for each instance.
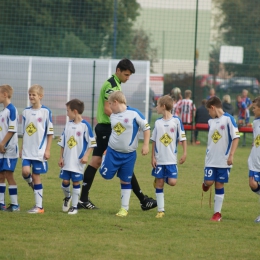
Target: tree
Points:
(74, 28)
(240, 26)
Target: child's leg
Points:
(65, 186)
(38, 190)
(2, 190)
(219, 197)
(254, 185)
(170, 181)
(12, 187)
(126, 188)
(75, 194)
(26, 172)
(159, 194)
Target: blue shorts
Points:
(163, 171)
(68, 175)
(256, 175)
(38, 167)
(216, 174)
(115, 162)
(7, 164)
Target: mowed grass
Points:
(184, 233)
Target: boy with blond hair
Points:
(168, 130)
(8, 148)
(76, 142)
(37, 129)
(187, 108)
(121, 151)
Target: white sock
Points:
(218, 201)
(2, 193)
(75, 195)
(13, 194)
(38, 193)
(66, 190)
(125, 195)
(160, 199)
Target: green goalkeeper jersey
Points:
(111, 85)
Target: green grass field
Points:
(184, 233)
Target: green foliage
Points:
(184, 233)
(240, 26)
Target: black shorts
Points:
(103, 131)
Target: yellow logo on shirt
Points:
(31, 129)
(119, 128)
(216, 136)
(72, 142)
(1, 128)
(166, 139)
(257, 141)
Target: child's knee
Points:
(172, 182)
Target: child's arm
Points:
(153, 161)
(7, 137)
(61, 160)
(232, 151)
(184, 147)
(145, 148)
(84, 159)
(47, 152)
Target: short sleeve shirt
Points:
(111, 85)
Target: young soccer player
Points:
(77, 142)
(121, 151)
(241, 111)
(167, 131)
(248, 103)
(254, 157)
(223, 138)
(37, 131)
(8, 148)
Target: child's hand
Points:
(145, 149)
(61, 162)
(230, 160)
(20, 153)
(154, 163)
(84, 159)
(182, 159)
(2, 148)
(47, 154)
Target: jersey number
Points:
(208, 173)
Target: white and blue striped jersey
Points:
(125, 126)
(9, 123)
(221, 133)
(76, 139)
(166, 135)
(254, 157)
(36, 126)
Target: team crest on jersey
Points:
(126, 120)
(222, 127)
(166, 139)
(119, 128)
(257, 141)
(39, 119)
(72, 142)
(1, 128)
(172, 130)
(78, 133)
(216, 136)
(31, 129)
(2, 119)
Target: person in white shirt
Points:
(8, 148)
(37, 129)
(168, 130)
(120, 155)
(77, 142)
(223, 138)
(254, 157)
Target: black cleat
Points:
(86, 205)
(148, 203)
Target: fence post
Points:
(93, 94)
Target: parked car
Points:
(237, 84)
(209, 80)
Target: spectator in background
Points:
(151, 104)
(241, 111)
(175, 111)
(227, 106)
(186, 108)
(202, 116)
(212, 93)
(248, 103)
